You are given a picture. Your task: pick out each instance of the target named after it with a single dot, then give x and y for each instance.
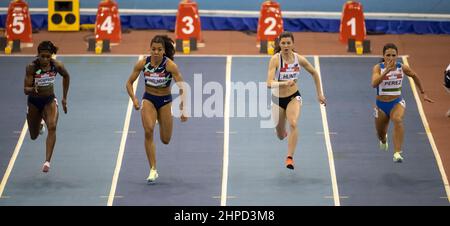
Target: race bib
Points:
(45, 79)
(156, 79)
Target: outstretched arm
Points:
(409, 72)
(66, 81)
(179, 81)
(315, 75)
(129, 84)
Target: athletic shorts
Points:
(284, 101)
(158, 101)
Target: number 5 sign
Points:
(270, 24)
(188, 21)
(107, 23)
(18, 22)
(352, 22)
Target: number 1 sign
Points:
(352, 22)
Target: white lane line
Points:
(13, 158)
(331, 133)
(226, 131)
(327, 140)
(428, 132)
(230, 132)
(123, 141)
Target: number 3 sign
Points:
(18, 22)
(352, 22)
(107, 23)
(188, 21)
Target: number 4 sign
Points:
(18, 22)
(352, 22)
(107, 23)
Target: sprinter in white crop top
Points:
(282, 76)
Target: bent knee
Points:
(51, 127)
(293, 124)
(148, 131)
(397, 119)
(165, 140)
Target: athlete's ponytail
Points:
(168, 44)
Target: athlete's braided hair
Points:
(47, 46)
(168, 44)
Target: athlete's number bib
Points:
(288, 76)
(289, 73)
(155, 79)
(45, 79)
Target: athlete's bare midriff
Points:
(158, 91)
(284, 91)
(387, 98)
(43, 91)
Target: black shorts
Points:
(40, 102)
(158, 101)
(284, 101)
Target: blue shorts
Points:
(158, 101)
(386, 107)
(40, 102)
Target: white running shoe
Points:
(152, 176)
(42, 129)
(397, 157)
(384, 146)
(46, 167)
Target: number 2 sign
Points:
(352, 22)
(270, 23)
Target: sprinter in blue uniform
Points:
(387, 78)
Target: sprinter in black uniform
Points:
(42, 103)
(158, 69)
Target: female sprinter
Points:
(158, 69)
(42, 103)
(282, 77)
(387, 78)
